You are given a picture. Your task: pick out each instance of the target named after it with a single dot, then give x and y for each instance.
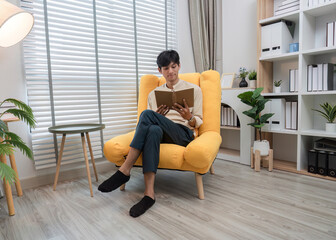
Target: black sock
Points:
(142, 206)
(115, 181)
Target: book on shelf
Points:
(328, 76)
(288, 123)
(169, 98)
(229, 117)
(294, 115)
(319, 77)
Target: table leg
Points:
(59, 161)
(8, 191)
(91, 153)
(86, 162)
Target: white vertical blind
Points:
(82, 59)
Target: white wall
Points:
(239, 21)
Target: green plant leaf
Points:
(256, 125)
(21, 146)
(5, 149)
(21, 105)
(251, 113)
(7, 172)
(265, 117)
(23, 115)
(256, 92)
(245, 95)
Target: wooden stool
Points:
(256, 159)
(7, 187)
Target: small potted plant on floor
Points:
(253, 78)
(277, 86)
(329, 114)
(257, 103)
(9, 140)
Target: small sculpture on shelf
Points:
(277, 86)
(242, 74)
(329, 114)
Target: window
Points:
(83, 61)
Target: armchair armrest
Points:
(201, 152)
(116, 148)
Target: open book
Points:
(169, 98)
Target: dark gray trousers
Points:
(153, 129)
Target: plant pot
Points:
(252, 83)
(262, 146)
(277, 89)
(243, 83)
(330, 127)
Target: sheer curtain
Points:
(202, 14)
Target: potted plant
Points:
(329, 114)
(277, 86)
(9, 140)
(242, 74)
(257, 103)
(253, 78)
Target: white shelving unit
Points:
(310, 33)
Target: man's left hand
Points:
(183, 111)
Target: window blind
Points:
(83, 61)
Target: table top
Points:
(76, 128)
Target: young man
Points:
(158, 125)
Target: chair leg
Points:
(199, 184)
(212, 170)
(270, 160)
(122, 187)
(252, 158)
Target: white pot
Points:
(331, 127)
(262, 146)
(277, 89)
(252, 83)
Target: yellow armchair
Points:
(199, 155)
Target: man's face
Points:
(171, 71)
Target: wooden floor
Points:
(239, 204)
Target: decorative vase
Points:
(243, 83)
(262, 146)
(277, 89)
(252, 83)
(330, 127)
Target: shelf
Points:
(291, 167)
(318, 51)
(225, 89)
(282, 131)
(321, 10)
(318, 133)
(229, 154)
(292, 16)
(230, 128)
(319, 93)
(280, 94)
(285, 56)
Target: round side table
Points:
(75, 129)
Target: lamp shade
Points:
(15, 24)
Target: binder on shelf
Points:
(328, 76)
(296, 84)
(312, 161)
(291, 80)
(335, 33)
(319, 77)
(288, 115)
(330, 34)
(315, 78)
(278, 108)
(294, 115)
(310, 78)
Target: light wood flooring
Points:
(239, 204)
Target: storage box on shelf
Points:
(311, 33)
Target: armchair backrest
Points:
(209, 82)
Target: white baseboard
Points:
(66, 175)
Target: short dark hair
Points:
(166, 57)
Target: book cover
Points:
(169, 98)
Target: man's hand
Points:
(163, 110)
(183, 111)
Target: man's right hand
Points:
(163, 110)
